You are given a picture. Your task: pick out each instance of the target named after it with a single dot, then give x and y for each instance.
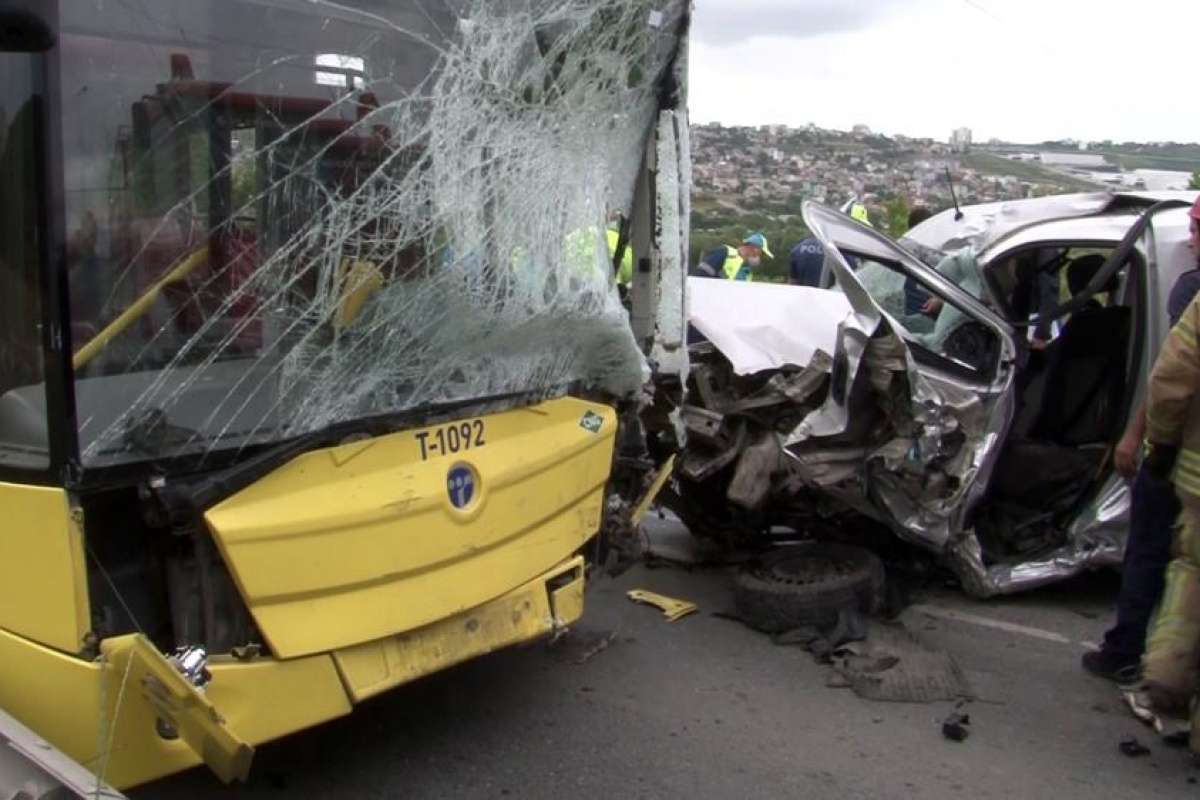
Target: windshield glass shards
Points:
(301, 214)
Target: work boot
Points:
(1115, 667)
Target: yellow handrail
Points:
(139, 307)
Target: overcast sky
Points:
(1022, 70)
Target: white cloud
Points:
(728, 23)
(1022, 69)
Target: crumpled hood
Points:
(904, 467)
(815, 395)
(760, 326)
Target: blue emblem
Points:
(461, 483)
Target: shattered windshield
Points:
(286, 215)
(927, 320)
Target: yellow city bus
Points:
(307, 385)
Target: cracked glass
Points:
(293, 215)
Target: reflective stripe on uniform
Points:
(1187, 471)
(1185, 333)
(1173, 641)
(625, 271)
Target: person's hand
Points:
(1038, 344)
(1125, 456)
(932, 306)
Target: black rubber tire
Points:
(807, 584)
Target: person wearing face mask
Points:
(734, 263)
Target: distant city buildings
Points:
(769, 171)
(772, 169)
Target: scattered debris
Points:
(893, 665)
(1178, 738)
(1139, 703)
(956, 727)
(1175, 733)
(850, 626)
(1132, 748)
(579, 646)
(672, 609)
(601, 644)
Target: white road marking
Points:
(940, 612)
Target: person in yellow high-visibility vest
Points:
(734, 263)
(581, 254)
(625, 271)
(859, 212)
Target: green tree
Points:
(1194, 183)
(897, 216)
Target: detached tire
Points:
(807, 584)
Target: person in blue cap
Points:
(734, 263)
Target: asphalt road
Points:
(706, 708)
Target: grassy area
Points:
(991, 164)
(1180, 157)
(1132, 161)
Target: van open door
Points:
(954, 358)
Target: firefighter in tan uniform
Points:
(1173, 433)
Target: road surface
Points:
(707, 708)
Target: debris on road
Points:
(672, 609)
(1175, 733)
(956, 727)
(816, 595)
(1139, 705)
(579, 646)
(1178, 738)
(850, 626)
(1132, 748)
(893, 665)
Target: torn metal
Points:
(298, 238)
(809, 404)
(1096, 538)
(814, 404)
(848, 412)
(878, 434)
